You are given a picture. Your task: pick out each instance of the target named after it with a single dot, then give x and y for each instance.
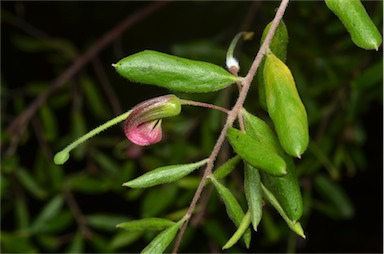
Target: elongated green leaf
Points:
(175, 73)
(233, 208)
(162, 240)
(356, 20)
(278, 46)
(96, 103)
(148, 224)
(51, 210)
(260, 130)
(295, 226)
(285, 107)
(227, 167)
(255, 153)
(252, 189)
(244, 225)
(22, 213)
(335, 196)
(105, 222)
(158, 200)
(164, 175)
(124, 238)
(77, 244)
(49, 122)
(286, 188)
(30, 184)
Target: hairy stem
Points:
(231, 118)
(204, 105)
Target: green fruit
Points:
(175, 73)
(285, 188)
(278, 46)
(356, 20)
(285, 107)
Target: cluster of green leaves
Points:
(49, 209)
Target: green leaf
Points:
(335, 196)
(124, 238)
(370, 77)
(278, 46)
(148, 224)
(78, 129)
(159, 199)
(21, 213)
(175, 73)
(30, 184)
(295, 226)
(227, 167)
(107, 164)
(164, 175)
(51, 209)
(49, 122)
(233, 208)
(356, 20)
(285, 107)
(286, 188)
(84, 183)
(100, 243)
(162, 240)
(96, 103)
(13, 243)
(106, 222)
(255, 153)
(260, 130)
(189, 182)
(252, 189)
(244, 225)
(77, 244)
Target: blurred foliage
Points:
(75, 208)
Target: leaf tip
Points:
(126, 184)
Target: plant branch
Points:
(76, 212)
(204, 105)
(231, 118)
(17, 127)
(106, 85)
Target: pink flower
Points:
(146, 133)
(143, 126)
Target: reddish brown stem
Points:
(231, 118)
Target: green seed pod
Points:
(278, 46)
(285, 107)
(356, 20)
(175, 73)
(286, 188)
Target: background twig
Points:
(18, 126)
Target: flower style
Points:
(143, 126)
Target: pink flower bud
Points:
(143, 126)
